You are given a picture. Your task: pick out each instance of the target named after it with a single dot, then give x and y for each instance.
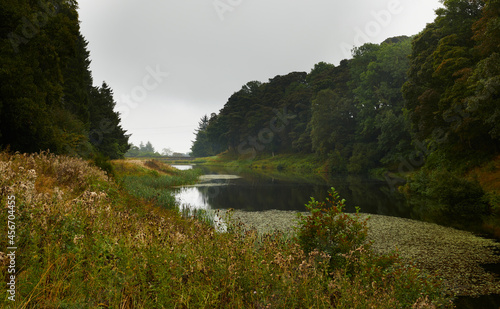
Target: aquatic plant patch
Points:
(454, 255)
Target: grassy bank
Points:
(85, 241)
(148, 179)
(303, 164)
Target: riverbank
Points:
(83, 241)
(451, 254)
(436, 207)
(309, 164)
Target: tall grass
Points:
(153, 184)
(206, 216)
(85, 242)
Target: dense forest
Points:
(47, 97)
(435, 94)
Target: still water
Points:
(250, 191)
(258, 192)
(182, 167)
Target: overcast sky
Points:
(169, 62)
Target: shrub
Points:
(336, 163)
(330, 230)
(493, 199)
(454, 195)
(103, 163)
(361, 278)
(362, 158)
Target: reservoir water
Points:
(244, 190)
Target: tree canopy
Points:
(350, 112)
(439, 89)
(452, 91)
(47, 97)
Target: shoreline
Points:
(451, 254)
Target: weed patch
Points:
(150, 180)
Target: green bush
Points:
(363, 158)
(363, 278)
(330, 230)
(336, 163)
(453, 194)
(493, 199)
(103, 163)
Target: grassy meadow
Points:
(88, 240)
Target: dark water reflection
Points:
(257, 192)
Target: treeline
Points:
(47, 97)
(142, 150)
(453, 90)
(435, 92)
(351, 113)
(147, 150)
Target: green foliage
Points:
(452, 104)
(202, 147)
(106, 133)
(47, 101)
(334, 111)
(355, 266)
(394, 140)
(363, 158)
(493, 199)
(330, 230)
(207, 217)
(407, 286)
(449, 89)
(103, 163)
(336, 163)
(451, 193)
(153, 187)
(332, 122)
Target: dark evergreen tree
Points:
(202, 147)
(46, 93)
(106, 133)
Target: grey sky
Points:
(170, 62)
